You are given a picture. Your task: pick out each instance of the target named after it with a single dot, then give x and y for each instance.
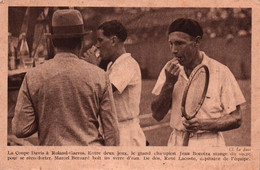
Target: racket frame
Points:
(184, 114)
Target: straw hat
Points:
(67, 23)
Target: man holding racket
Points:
(220, 110)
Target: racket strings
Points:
(194, 95)
(195, 92)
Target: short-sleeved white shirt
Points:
(222, 97)
(125, 75)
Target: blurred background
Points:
(227, 38)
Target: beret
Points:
(187, 26)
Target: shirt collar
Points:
(65, 54)
(118, 60)
(205, 61)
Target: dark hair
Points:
(114, 28)
(188, 26)
(67, 43)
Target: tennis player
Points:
(221, 108)
(125, 77)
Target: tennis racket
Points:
(194, 95)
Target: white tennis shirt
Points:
(125, 75)
(222, 97)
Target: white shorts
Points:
(197, 139)
(131, 134)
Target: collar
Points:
(205, 61)
(118, 60)
(65, 55)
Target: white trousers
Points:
(131, 134)
(197, 139)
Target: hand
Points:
(192, 125)
(90, 56)
(172, 71)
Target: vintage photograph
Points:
(129, 76)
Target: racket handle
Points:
(186, 139)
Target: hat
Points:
(67, 23)
(187, 26)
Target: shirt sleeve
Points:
(160, 82)
(231, 95)
(24, 120)
(108, 117)
(121, 75)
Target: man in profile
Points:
(125, 77)
(64, 98)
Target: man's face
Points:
(104, 44)
(183, 48)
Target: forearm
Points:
(110, 125)
(112, 137)
(227, 122)
(162, 103)
(110, 129)
(22, 131)
(109, 119)
(24, 121)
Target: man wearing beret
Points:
(221, 108)
(66, 99)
